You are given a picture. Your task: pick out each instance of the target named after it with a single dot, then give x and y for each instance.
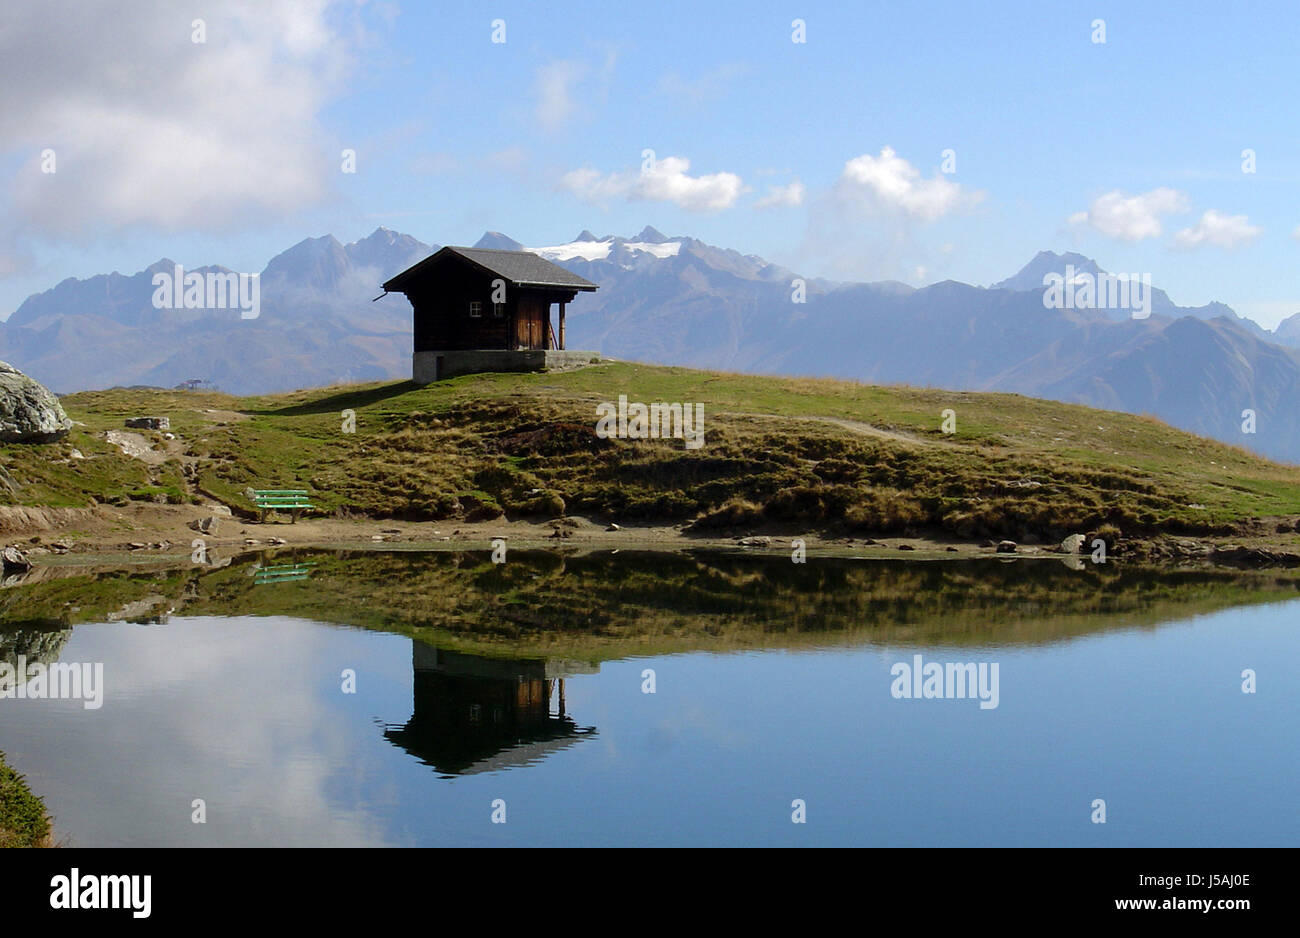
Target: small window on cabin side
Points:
(475, 309)
(498, 310)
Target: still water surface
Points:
(771, 684)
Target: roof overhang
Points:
(398, 283)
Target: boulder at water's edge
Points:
(29, 411)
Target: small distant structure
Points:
(479, 310)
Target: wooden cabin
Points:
(472, 714)
(478, 309)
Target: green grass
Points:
(23, 822)
(524, 445)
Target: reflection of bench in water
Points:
(477, 714)
(281, 573)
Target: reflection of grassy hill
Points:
(55, 602)
(600, 606)
(808, 453)
(23, 822)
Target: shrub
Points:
(882, 510)
(547, 504)
(479, 506)
(1108, 533)
(734, 513)
(23, 822)
(837, 470)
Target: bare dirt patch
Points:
(136, 446)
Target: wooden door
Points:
(530, 324)
(523, 329)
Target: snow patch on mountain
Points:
(661, 250)
(575, 250)
(600, 250)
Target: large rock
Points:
(209, 525)
(1072, 544)
(149, 423)
(29, 411)
(13, 560)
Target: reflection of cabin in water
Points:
(485, 310)
(475, 714)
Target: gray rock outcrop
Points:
(1072, 544)
(149, 423)
(13, 560)
(29, 411)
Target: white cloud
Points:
(565, 88)
(666, 180)
(1219, 230)
(1131, 218)
(149, 127)
(1296, 233)
(555, 85)
(789, 196)
(891, 183)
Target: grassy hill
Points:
(821, 454)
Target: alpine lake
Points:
(640, 698)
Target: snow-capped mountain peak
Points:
(588, 248)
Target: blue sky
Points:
(229, 150)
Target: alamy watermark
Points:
(87, 891)
(651, 421)
(59, 681)
(951, 681)
(1098, 291)
(214, 290)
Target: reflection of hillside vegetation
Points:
(67, 596)
(35, 645)
(600, 605)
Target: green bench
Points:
(282, 573)
(292, 500)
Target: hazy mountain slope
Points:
(681, 301)
(316, 325)
(1200, 376)
(1189, 366)
(1288, 332)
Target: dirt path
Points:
(856, 426)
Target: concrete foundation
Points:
(427, 367)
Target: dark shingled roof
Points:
(521, 268)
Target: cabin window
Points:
(498, 310)
(475, 309)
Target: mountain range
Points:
(681, 301)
